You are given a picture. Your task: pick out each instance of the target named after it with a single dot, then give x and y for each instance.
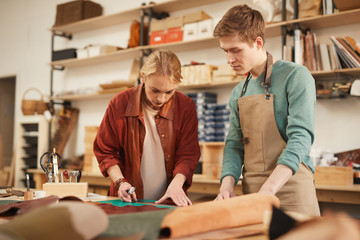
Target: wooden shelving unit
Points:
(127, 16)
(111, 57)
(84, 97)
(346, 72)
(272, 30)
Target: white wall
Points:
(25, 52)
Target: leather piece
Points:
(12, 209)
(111, 209)
(209, 216)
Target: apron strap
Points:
(268, 70)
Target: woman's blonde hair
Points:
(162, 62)
(242, 20)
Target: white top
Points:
(152, 168)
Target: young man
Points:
(271, 120)
(148, 136)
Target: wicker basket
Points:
(30, 107)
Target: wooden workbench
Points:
(349, 194)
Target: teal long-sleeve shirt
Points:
(294, 105)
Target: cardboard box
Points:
(205, 28)
(159, 25)
(333, 175)
(190, 31)
(82, 53)
(347, 5)
(174, 22)
(97, 50)
(157, 37)
(195, 17)
(174, 34)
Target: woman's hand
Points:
(123, 192)
(176, 192)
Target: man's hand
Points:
(226, 189)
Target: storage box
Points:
(205, 28)
(82, 53)
(174, 22)
(333, 175)
(190, 31)
(159, 25)
(157, 37)
(76, 11)
(174, 34)
(63, 54)
(347, 5)
(195, 17)
(97, 50)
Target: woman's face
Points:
(158, 89)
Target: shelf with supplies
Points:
(84, 97)
(272, 30)
(346, 72)
(330, 20)
(105, 58)
(127, 16)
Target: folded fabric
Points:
(66, 220)
(209, 216)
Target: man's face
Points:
(158, 90)
(239, 55)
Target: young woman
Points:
(148, 138)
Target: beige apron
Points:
(263, 145)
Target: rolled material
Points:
(209, 216)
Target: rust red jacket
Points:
(121, 135)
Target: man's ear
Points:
(259, 42)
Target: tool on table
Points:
(28, 195)
(27, 182)
(50, 163)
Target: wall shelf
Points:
(84, 97)
(111, 57)
(128, 16)
(346, 72)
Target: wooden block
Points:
(66, 189)
(28, 195)
(333, 175)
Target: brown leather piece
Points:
(209, 216)
(111, 209)
(17, 208)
